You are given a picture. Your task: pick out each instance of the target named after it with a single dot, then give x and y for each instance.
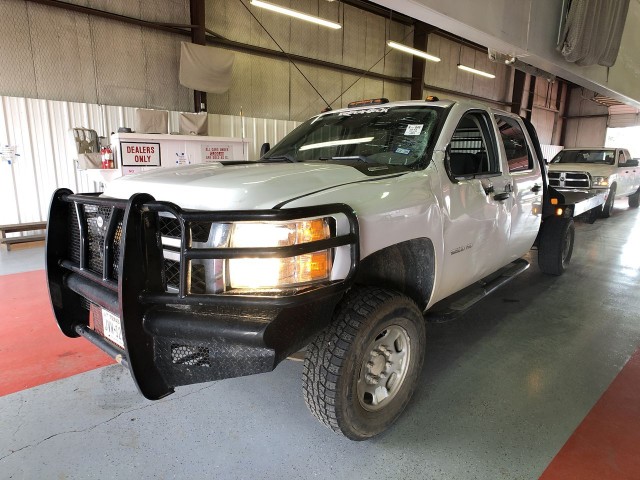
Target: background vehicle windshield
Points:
(603, 157)
(385, 135)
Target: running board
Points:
(458, 303)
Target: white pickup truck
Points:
(339, 239)
(610, 170)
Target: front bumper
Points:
(178, 338)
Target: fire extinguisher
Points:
(103, 157)
(110, 162)
(107, 157)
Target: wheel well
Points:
(407, 267)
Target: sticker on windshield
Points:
(413, 129)
(403, 151)
(348, 113)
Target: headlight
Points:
(600, 182)
(278, 272)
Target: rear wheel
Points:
(634, 200)
(608, 205)
(360, 372)
(556, 245)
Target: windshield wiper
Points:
(362, 158)
(286, 157)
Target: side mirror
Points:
(631, 163)
(264, 149)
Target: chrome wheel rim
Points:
(384, 368)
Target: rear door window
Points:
(515, 144)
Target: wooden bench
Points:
(21, 227)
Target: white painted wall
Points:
(40, 131)
(529, 29)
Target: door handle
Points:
(536, 188)
(501, 196)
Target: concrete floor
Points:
(502, 389)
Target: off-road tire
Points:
(607, 208)
(634, 200)
(337, 357)
(556, 245)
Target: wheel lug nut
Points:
(371, 379)
(370, 364)
(388, 364)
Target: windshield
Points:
(384, 135)
(603, 157)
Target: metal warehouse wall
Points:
(54, 54)
(591, 130)
(446, 74)
(267, 87)
(40, 131)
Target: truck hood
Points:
(217, 186)
(595, 170)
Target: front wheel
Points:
(555, 246)
(634, 200)
(360, 372)
(608, 205)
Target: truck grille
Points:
(96, 220)
(569, 179)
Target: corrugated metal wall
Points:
(60, 55)
(273, 88)
(544, 114)
(40, 131)
(621, 116)
(446, 74)
(585, 132)
(549, 151)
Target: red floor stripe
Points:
(33, 351)
(606, 445)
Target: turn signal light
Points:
(554, 201)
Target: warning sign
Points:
(216, 152)
(139, 154)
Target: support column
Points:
(518, 91)
(420, 36)
(199, 36)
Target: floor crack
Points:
(92, 427)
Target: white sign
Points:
(413, 129)
(140, 154)
(216, 152)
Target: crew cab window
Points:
(515, 144)
(472, 149)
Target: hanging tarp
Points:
(206, 69)
(593, 31)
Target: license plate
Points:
(112, 328)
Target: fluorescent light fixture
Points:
(475, 71)
(412, 51)
(335, 143)
(296, 14)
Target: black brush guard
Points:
(214, 336)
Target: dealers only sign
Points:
(140, 154)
